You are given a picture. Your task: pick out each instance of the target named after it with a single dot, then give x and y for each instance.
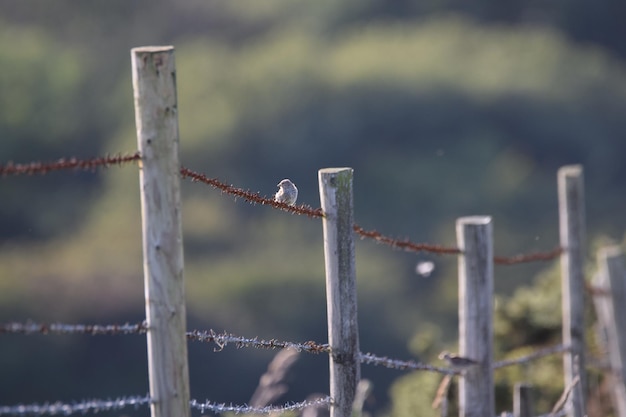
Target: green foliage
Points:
(440, 116)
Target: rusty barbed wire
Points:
(407, 245)
(43, 168)
(256, 198)
(249, 196)
(530, 257)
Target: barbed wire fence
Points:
(474, 251)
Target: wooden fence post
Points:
(335, 186)
(572, 237)
(476, 389)
(611, 281)
(523, 401)
(154, 85)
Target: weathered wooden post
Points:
(523, 401)
(156, 115)
(611, 281)
(572, 237)
(335, 186)
(476, 389)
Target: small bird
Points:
(457, 362)
(287, 192)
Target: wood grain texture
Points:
(476, 388)
(335, 186)
(154, 84)
(572, 238)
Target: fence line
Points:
(96, 405)
(156, 114)
(221, 340)
(11, 169)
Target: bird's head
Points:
(284, 182)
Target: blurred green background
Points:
(443, 108)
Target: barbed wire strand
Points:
(220, 339)
(530, 257)
(551, 350)
(95, 406)
(63, 328)
(405, 244)
(371, 359)
(223, 339)
(270, 409)
(91, 164)
(249, 196)
(84, 406)
(256, 198)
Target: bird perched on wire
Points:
(287, 192)
(457, 362)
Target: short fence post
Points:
(154, 85)
(335, 186)
(523, 401)
(572, 237)
(611, 281)
(476, 389)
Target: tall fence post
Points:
(572, 238)
(476, 389)
(611, 280)
(335, 186)
(154, 85)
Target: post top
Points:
(474, 220)
(330, 171)
(571, 170)
(152, 49)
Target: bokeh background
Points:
(443, 108)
